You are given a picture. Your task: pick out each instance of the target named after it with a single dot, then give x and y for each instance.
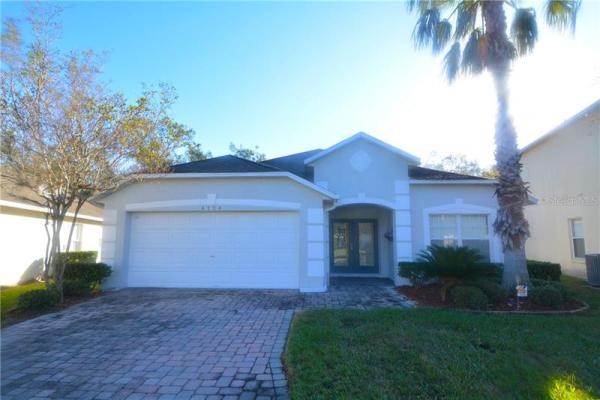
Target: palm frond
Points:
(562, 14)
(441, 37)
(474, 53)
(421, 6)
(425, 28)
(524, 30)
(452, 62)
(466, 18)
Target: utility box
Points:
(592, 266)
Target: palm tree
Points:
(478, 38)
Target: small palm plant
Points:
(452, 265)
(479, 39)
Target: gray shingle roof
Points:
(222, 164)
(294, 163)
(421, 173)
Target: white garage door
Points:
(214, 250)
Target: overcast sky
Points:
(295, 76)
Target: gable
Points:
(361, 168)
(363, 137)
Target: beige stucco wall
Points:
(563, 172)
(118, 209)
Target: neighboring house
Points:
(355, 209)
(23, 236)
(563, 171)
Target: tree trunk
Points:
(511, 191)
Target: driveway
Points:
(169, 343)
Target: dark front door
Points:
(354, 246)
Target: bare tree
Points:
(65, 136)
(460, 164)
(247, 153)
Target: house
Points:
(563, 170)
(23, 234)
(356, 209)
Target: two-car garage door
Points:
(214, 249)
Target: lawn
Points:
(10, 294)
(431, 354)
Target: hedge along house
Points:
(357, 209)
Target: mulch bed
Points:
(429, 296)
(15, 316)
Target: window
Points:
(469, 230)
(577, 241)
(77, 236)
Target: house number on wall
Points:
(210, 208)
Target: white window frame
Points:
(572, 238)
(458, 207)
(77, 236)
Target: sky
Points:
(294, 76)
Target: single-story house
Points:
(356, 209)
(23, 235)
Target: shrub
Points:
(543, 270)
(91, 273)
(457, 262)
(76, 288)
(564, 291)
(78, 256)
(40, 299)
(547, 296)
(452, 265)
(469, 297)
(495, 292)
(417, 272)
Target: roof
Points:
(582, 114)
(13, 196)
(294, 163)
(222, 164)
(369, 138)
(428, 174)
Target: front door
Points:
(354, 246)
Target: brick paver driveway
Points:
(168, 343)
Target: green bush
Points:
(449, 262)
(76, 288)
(564, 291)
(92, 273)
(417, 272)
(494, 292)
(78, 257)
(547, 296)
(543, 270)
(469, 297)
(40, 299)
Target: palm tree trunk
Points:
(511, 191)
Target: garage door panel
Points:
(229, 250)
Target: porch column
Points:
(317, 250)
(402, 229)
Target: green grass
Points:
(10, 294)
(431, 354)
